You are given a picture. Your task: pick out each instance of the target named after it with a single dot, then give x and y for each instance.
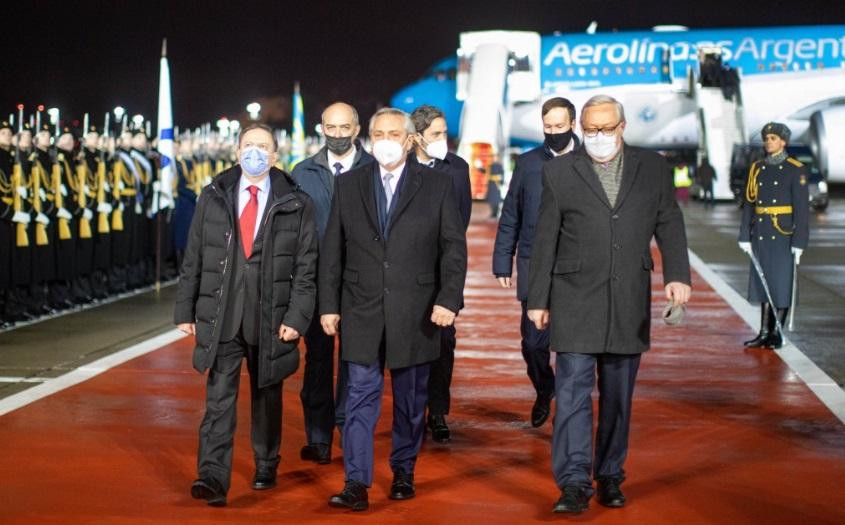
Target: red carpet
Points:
(719, 435)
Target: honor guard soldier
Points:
(125, 192)
(774, 229)
(65, 185)
(95, 164)
(144, 238)
(186, 192)
(43, 206)
(8, 193)
(85, 198)
(24, 229)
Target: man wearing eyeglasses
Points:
(590, 283)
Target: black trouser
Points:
(535, 351)
(217, 431)
(320, 408)
(440, 375)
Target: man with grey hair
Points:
(392, 268)
(590, 283)
(321, 407)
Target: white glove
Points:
(21, 217)
(87, 214)
(64, 214)
(796, 252)
(22, 192)
(63, 189)
(165, 202)
(138, 209)
(107, 188)
(104, 207)
(42, 219)
(122, 206)
(745, 246)
(120, 185)
(42, 194)
(156, 186)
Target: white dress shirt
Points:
(244, 196)
(569, 147)
(346, 161)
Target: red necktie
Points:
(247, 220)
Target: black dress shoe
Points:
(403, 485)
(573, 500)
(439, 429)
(264, 479)
(210, 490)
(540, 411)
(319, 453)
(353, 496)
(609, 494)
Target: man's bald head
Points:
(340, 127)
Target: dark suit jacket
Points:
(316, 178)
(591, 264)
(519, 217)
(388, 286)
(458, 170)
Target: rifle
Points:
(59, 189)
(22, 235)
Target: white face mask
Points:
(601, 147)
(437, 149)
(387, 152)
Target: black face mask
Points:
(558, 141)
(338, 145)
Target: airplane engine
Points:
(826, 134)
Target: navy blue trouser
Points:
(321, 409)
(363, 406)
(535, 351)
(572, 440)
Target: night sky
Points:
(91, 56)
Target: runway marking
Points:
(814, 377)
(14, 379)
(83, 373)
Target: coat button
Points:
(376, 238)
(776, 183)
(386, 291)
(615, 277)
(616, 246)
(615, 216)
(773, 237)
(386, 264)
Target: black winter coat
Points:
(591, 264)
(288, 235)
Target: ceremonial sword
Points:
(759, 270)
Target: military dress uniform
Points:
(102, 202)
(43, 199)
(775, 217)
(7, 229)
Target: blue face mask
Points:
(255, 161)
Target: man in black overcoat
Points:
(590, 282)
(392, 270)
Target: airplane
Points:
(795, 75)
